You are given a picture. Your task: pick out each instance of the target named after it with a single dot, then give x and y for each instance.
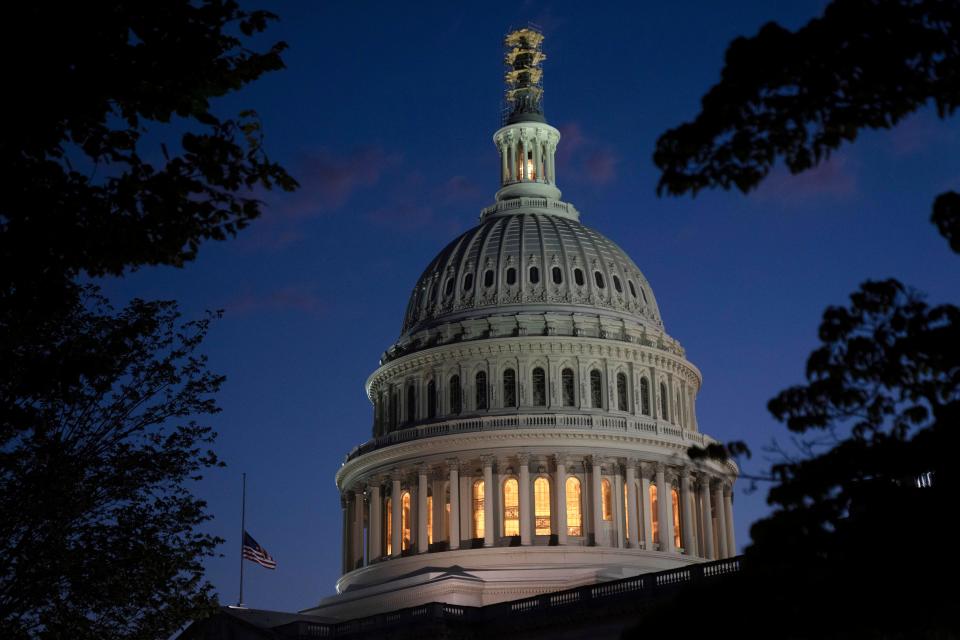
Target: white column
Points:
(488, 491)
(357, 528)
(560, 482)
(454, 467)
(345, 538)
(721, 521)
(645, 503)
(396, 518)
(687, 524)
(707, 518)
(423, 472)
(504, 161)
(438, 510)
(526, 517)
(664, 517)
(632, 514)
(618, 506)
(728, 516)
(373, 529)
(596, 494)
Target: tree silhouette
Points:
(843, 553)
(114, 159)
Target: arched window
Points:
(598, 278)
(477, 511)
(432, 399)
(455, 397)
(566, 380)
(534, 275)
(643, 293)
(679, 410)
(596, 389)
(557, 275)
(448, 289)
(394, 409)
(664, 401)
(541, 506)
(644, 397)
(617, 285)
(539, 388)
(388, 506)
(511, 507)
(411, 403)
(480, 383)
(405, 520)
(675, 496)
(509, 388)
(578, 277)
(511, 276)
(574, 507)
(468, 282)
(633, 289)
(606, 497)
(622, 392)
(488, 278)
(654, 514)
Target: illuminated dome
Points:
(531, 423)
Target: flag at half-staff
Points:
(254, 552)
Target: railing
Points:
(529, 203)
(587, 597)
(523, 421)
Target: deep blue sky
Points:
(385, 115)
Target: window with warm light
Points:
(511, 507)
(477, 511)
(606, 498)
(429, 519)
(654, 515)
(405, 521)
(541, 506)
(388, 504)
(675, 498)
(626, 512)
(574, 507)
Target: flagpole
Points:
(243, 532)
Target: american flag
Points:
(253, 551)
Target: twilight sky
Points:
(385, 116)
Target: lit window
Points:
(480, 382)
(606, 496)
(578, 277)
(654, 516)
(598, 278)
(509, 388)
(405, 520)
(388, 504)
(644, 396)
(626, 512)
(478, 530)
(511, 276)
(541, 506)
(557, 275)
(566, 379)
(429, 519)
(488, 278)
(622, 391)
(539, 388)
(511, 507)
(596, 389)
(676, 518)
(468, 282)
(574, 510)
(455, 398)
(534, 275)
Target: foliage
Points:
(97, 524)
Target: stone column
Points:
(396, 518)
(687, 524)
(645, 503)
(357, 558)
(560, 482)
(487, 501)
(526, 516)
(707, 518)
(345, 538)
(504, 163)
(453, 466)
(374, 528)
(438, 509)
(664, 517)
(618, 506)
(721, 520)
(423, 473)
(632, 515)
(596, 494)
(728, 518)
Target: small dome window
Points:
(644, 294)
(449, 288)
(578, 277)
(511, 276)
(534, 275)
(488, 278)
(598, 277)
(557, 275)
(633, 289)
(617, 285)
(468, 282)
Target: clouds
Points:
(583, 159)
(835, 178)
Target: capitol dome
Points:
(531, 423)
